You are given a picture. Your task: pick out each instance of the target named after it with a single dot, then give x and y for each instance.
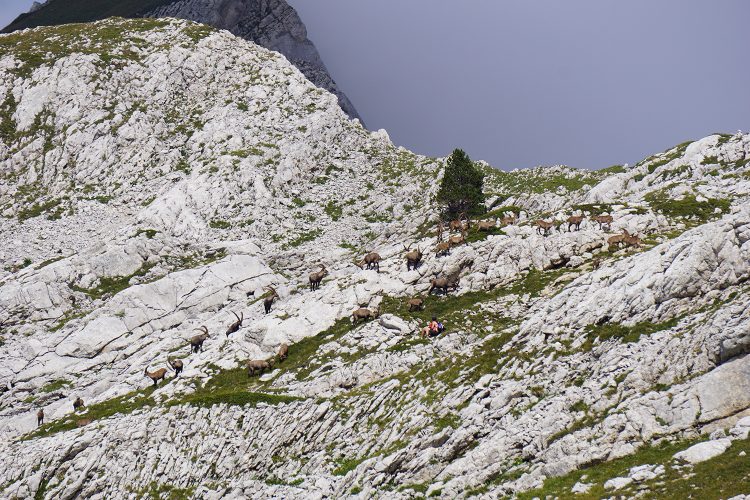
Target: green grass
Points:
(625, 334)
(111, 285)
(219, 224)
(333, 210)
(687, 207)
(720, 477)
(303, 238)
(55, 385)
(38, 209)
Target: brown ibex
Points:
(458, 239)
(603, 220)
(283, 352)
(508, 220)
(78, 404)
(413, 258)
(268, 301)
(443, 283)
(372, 261)
(196, 343)
(443, 248)
(618, 239)
(415, 304)
(316, 278)
(177, 365)
(83, 422)
(40, 418)
(486, 225)
(258, 366)
(456, 225)
(632, 240)
(234, 327)
(543, 227)
(156, 376)
(440, 231)
(575, 220)
(364, 314)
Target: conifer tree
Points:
(461, 189)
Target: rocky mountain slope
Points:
(157, 175)
(272, 24)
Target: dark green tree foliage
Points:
(461, 189)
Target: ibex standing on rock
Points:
(372, 261)
(364, 314)
(603, 220)
(268, 301)
(458, 239)
(156, 376)
(443, 248)
(575, 220)
(78, 404)
(234, 327)
(40, 418)
(413, 258)
(316, 278)
(543, 227)
(196, 343)
(177, 365)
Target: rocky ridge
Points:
(157, 175)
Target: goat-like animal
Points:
(632, 240)
(83, 422)
(40, 418)
(458, 239)
(316, 278)
(440, 231)
(78, 404)
(413, 258)
(443, 248)
(604, 220)
(196, 343)
(234, 327)
(486, 225)
(364, 315)
(372, 261)
(575, 220)
(177, 365)
(618, 239)
(543, 227)
(156, 376)
(415, 304)
(443, 284)
(283, 352)
(508, 220)
(268, 301)
(258, 366)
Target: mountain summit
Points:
(273, 24)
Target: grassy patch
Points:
(688, 207)
(333, 210)
(625, 334)
(303, 238)
(111, 285)
(55, 385)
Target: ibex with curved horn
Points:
(196, 343)
(156, 376)
(316, 278)
(234, 327)
(177, 365)
(269, 300)
(413, 258)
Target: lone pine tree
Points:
(461, 189)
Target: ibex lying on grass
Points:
(234, 327)
(575, 220)
(156, 376)
(486, 225)
(603, 220)
(83, 422)
(316, 278)
(443, 283)
(268, 301)
(283, 352)
(40, 418)
(258, 366)
(372, 261)
(364, 314)
(196, 343)
(78, 404)
(177, 365)
(543, 227)
(413, 258)
(415, 304)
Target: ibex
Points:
(442, 248)
(316, 278)
(603, 220)
(40, 418)
(78, 404)
(234, 327)
(372, 261)
(443, 283)
(156, 376)
(508, 220)
(283, 352)
(177, 365)
(618, 239)
(413, 258)
(268, 301)
(458, 239)
(575, 220)
(364, 314)
(196, 343)
(83, 422)
(440, 231)
(415, 304)
(632, 240)
(543, 227)
(258, 366)
(456, 225)
(486, 225)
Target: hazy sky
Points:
(588, 83)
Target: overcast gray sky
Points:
(588, 83)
